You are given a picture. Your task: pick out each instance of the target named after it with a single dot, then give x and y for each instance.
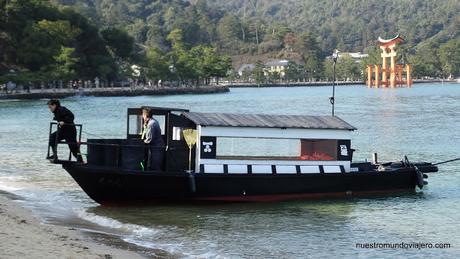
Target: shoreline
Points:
(210, 89)
(24, 236)
(111, 92)
(322, 83)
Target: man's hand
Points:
(61, 123)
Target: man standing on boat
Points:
(66, 130)
(151, 135)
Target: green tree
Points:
(348, 69)
(426, 61)
(119, 41)
(449, 55)
(308, 46)
(43, 41)
(230, 30)
(64, 66)
(175, 37)
(258, 73)
(293, 72)
(157, 66)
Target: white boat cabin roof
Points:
(268, 121)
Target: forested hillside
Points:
(102, 37)
(346, 25)
(303, 30)
(355, 24)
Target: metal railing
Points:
(57, 142)
(118, 146)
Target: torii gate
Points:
(395, 71)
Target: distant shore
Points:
(115, 91)
(209, 89)
(23, 236)
(323, 83)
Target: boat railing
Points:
(57, 142)
(110, 151)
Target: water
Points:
(421, 122)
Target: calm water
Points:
(421, 122)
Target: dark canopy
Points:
(268, 121)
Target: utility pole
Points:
(335, 56)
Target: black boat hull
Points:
(107, 186)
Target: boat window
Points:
(135, 124)
(272, 148)
(176, 133)
(318, 149)
(161, 120)
(254, 148)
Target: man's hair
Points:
(147, 111)
(54, 102)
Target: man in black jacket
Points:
(66, 130)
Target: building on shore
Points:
(245, 68)
(356, 56)
(277, 66)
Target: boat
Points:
(237, 158)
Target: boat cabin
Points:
(281, 144)
(235, 143)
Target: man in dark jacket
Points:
(66, 130)
(151, 135)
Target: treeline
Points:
(349, 25)
(304, 31)
(428, 60)
(41, 43)
(191, 41)
(187, 65)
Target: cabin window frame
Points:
(160, 116)
(330, 149)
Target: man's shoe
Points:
(52, 158)
(80, 159)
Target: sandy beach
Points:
(23, 236)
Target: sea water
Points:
(421, 122)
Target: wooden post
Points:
(369, 76)
(377, 76)
(384, 71)
(409, 75)
(393, 70)
(399, 80)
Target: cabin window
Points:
(272, 148)
(135, 124)
(257, 148)
(318, 149)
(161, 120)
(176, 133)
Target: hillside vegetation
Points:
(193, 40)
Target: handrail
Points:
(70, 124)
(118, 146)
(57, 137)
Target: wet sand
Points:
(23, 236)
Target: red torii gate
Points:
(395, 71)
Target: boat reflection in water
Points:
(238, 157)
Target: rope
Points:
(92, 134)
(447, 161)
